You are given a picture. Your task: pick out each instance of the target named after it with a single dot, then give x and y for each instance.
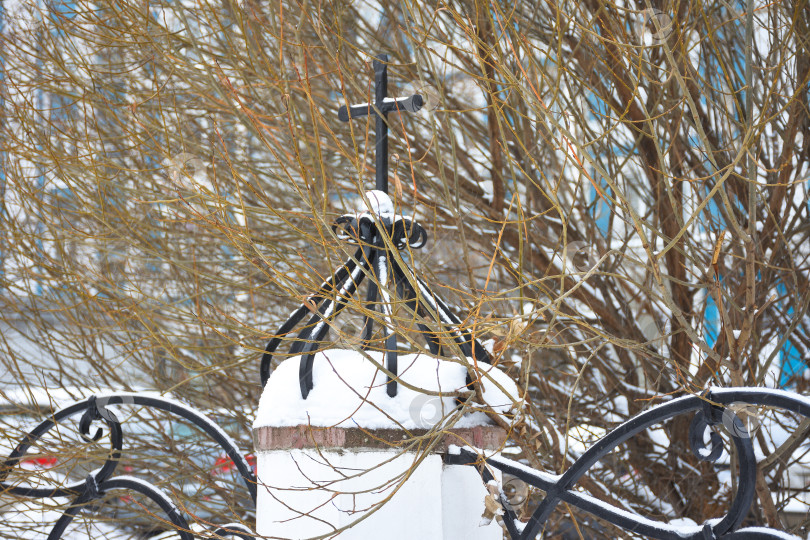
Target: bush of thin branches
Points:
(617, 193)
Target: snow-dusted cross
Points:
(380, 108)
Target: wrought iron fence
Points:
(102, 481)
(711, 409)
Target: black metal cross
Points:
(380, 108)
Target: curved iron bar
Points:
(316, 330)
(234, 530)
(116, 440)
(93, 490)
(710, 409)
(373, 258)
(298, 315)
(100, 481)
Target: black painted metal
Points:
(376, 234)
(379, 109)
(101, 481)
(710, 410)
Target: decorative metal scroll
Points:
(710, 410)
(102, 481)
(375, 234)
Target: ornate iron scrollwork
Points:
(102, 481)
(711, 409)
(375, 234)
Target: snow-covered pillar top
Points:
(376, 231)
(349, 392)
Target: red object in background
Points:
(225, 464)
(42, 461)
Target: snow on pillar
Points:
(351, 458)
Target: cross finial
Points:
(380, 108)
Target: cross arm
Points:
(408, 104)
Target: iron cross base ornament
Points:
(375, 233)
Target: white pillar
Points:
(315, 481)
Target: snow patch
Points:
(381, 203)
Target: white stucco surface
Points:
(306, 493)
